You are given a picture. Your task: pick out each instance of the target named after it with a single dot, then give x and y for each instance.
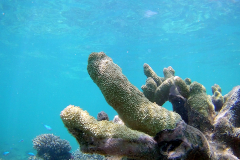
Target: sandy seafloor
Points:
(44, 47)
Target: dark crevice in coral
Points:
(178, 103)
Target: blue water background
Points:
(44, 48)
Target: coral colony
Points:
(51, 147)
(200, 127)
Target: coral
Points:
(195, 130)
(102, 116)
(51, 147)
(187, 81)
(105, 137)
(118, 120)
(197, 109)
(168, 72)
(178, 103)
(227, 122)
(148, 71)
(215, 88)
(157, 89)
(130, 103)
(200, 108)
(183, 139)
(149, 89)
(217, 98)
(78, 155)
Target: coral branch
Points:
(157, 89)
(136, 111)
(217, 97)
(200, 108)
(107, 138)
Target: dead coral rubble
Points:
(197, 129)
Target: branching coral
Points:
(51, 147)
(193, 131)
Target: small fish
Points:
(48, 127)
(31, 154)
(21, 140)
(5, 153)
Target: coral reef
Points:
(51, 147)
(198, 128)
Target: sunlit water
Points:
(44, 47)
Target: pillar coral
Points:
(132, 106)
(149, 131)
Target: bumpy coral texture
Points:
(217, 97)
(51, 147)
(105, 137)
(157, 88)
(199, 101)
(78, 155)
(133, 107)
(149, 89)
(75, 118)
(221, 128)
(200, 107)
(150, 132)
(102, 116)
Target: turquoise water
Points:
(44, 47)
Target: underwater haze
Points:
(44, 49)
